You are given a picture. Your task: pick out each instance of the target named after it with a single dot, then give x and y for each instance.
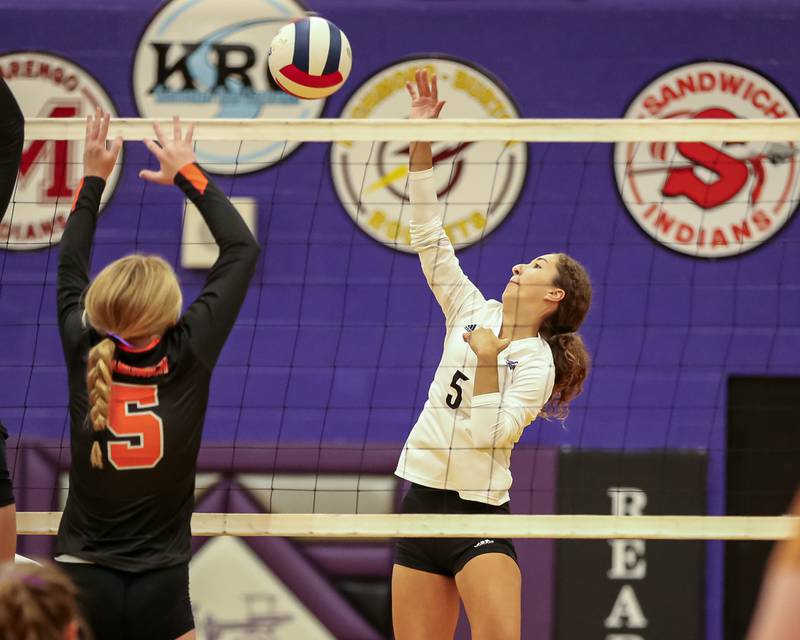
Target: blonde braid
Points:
(135, 297)
(98, 381)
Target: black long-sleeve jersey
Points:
(12, 135)
(6, 486)
(134, 514)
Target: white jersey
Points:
(463, 442)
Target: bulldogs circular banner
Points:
(49, 86)
(479, 182)
(209, 59)
(709, 200)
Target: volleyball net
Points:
(330, 361)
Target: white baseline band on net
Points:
(528, 130)
(603, 527)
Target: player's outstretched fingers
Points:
(159, 134)
(153, 148)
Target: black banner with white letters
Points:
(630, 589)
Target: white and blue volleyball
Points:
(310, 58)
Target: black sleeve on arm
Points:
(73, 260)
(210, 318)
(6, 485)
(12, 135)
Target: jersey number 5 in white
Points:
(145, 426)
(454, 402)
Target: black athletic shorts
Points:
(446, 556)
(120, 605)
(6, 486)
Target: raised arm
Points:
(8, 511)
(76, 242)
(454, 292)
(210, 318)
(777, 616)
(12, 135)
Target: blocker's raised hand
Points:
(173, 154)
(99, 158)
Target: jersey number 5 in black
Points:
(454, 402)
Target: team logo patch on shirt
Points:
(512, 364)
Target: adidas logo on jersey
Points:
(482, 542)
(511, 363)
(470, 327)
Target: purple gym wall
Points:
(332, 312)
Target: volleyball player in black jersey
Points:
(12, 134)
(139, 375)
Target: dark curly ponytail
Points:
(570, 356)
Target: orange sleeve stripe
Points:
(77, 195)
(196, 177)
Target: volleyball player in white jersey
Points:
(503, 364)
